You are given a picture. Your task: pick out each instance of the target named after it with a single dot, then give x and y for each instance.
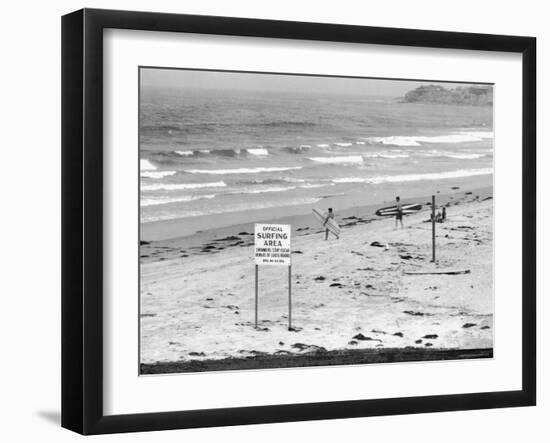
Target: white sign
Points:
(272, 244)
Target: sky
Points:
(182, 78)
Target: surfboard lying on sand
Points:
(410, 208)
(331, 225)
(439, 272)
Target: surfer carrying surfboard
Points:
(328, 222)
(329, 216)
(399, 213)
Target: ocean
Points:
(207, 151)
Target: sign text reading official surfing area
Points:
(272, 244)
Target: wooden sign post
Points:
(433, 228)
(289, 297)
(272, 248)
(256, 299)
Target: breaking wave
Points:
(181, 186)
(241, 170)
(271, 181)
(258, 151)
(416, 140)
(265, 190)
(388, 155)
(414, 177)
(462, 156)
(146, 165)
(156, 174)
(222, 152)
(167, 200)
(184, 153)
(354, 159)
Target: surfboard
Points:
(410, 208)
(331, 225)
(439, 272)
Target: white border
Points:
(125, 392)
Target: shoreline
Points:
(367, 198)
(211, 241)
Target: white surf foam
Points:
(241, 170)
(355, 159)
(323, 145)
(463, 156)
(344, 145)
(416, 140)
(156, 174)
(184, 153)
(285, 188)
(451, 138)
(181, 186)
(397, 140)
(389, 155)
(470, 155)
(246, 206)
(166, 200)
(270, 181)
(415, 177)
(264, 190)
(146, 165)
(316, 185)
(258, 151)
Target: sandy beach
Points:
(371, 296)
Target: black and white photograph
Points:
(300, 220)
(275, 222)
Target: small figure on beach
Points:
(441, 216)
(399, 214)
(330, 216)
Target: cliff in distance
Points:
(463, 95)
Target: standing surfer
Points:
(329, 216)
(328, 222)
(399, 213)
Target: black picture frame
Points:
(82, 220)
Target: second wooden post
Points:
(433, 228)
